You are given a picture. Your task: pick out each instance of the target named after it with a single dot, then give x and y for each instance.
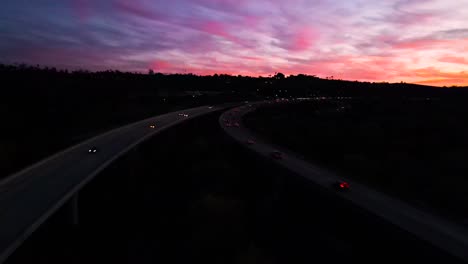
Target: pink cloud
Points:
(407, 19)
(296, 40)
(431, 43)
(419, 44)
(252, 21)
(220, 29)
(452, 59)
(303, 39)
(251, 58)
(215, 28)
(351, 67)
(161, 66)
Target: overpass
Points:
(31, 196)
(446, 236)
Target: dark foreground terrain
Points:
(191, 195)
(413, 148)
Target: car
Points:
(341, 185)
(228, 124)
(152, 126)
(250, 142)
(236, 124)
(92, 150)
(277, 155)
(210, 107)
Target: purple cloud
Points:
(357, 39)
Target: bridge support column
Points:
(135, 169)
(73, 211)
(277, 187)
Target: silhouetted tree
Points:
(279, 76)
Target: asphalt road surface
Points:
(30, 196)
(441, 234)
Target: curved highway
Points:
(30, 196)
(449, 237)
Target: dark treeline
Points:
(45, 109)
(113, 84)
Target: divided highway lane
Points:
(30, 196)
(447, 236)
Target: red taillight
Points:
(344, 185)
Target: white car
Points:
(92, 150)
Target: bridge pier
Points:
(73, 211)
(132, 177)
(277, 187)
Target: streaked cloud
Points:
(452, 59)
(395, 40)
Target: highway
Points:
(30, 196)
(444, 235)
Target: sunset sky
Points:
(420, 41)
